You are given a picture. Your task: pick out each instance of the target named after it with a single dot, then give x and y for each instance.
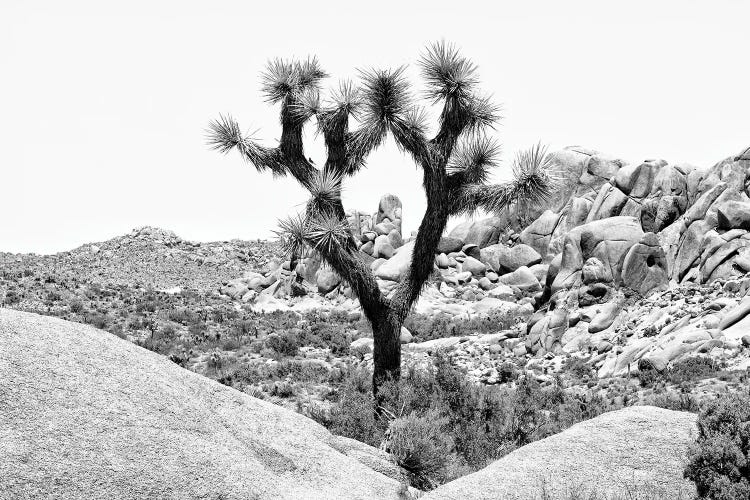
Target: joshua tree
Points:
(455, 164)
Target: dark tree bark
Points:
(386, 331)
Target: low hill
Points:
(84, 414)
(630, 453)
(147, 256)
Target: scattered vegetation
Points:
(718, 463)
(435, 326)
(440, 426)
(686, 371)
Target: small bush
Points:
(183, 316)
(421, 446)
(685, 371)
(577, 367)
(97, 320)
(693, 368)
(353, 416)
(483, 423)
(12, 297)
(286, 344)
(718, 462)
(678, 401)
(198, 330)
(302, 371)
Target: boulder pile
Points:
(614, 238)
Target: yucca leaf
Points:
(291, 236)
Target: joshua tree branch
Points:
(430, 230)
(343, 259)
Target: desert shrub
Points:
(221, 314)
(483, 422)
(338, 316)
(670, 400)
(648, 377)
(284, 344)
(198, 329)
(682, 372)
(420, 445)
(116, 329)
(353, 415)
(230, 345)
(507, 372)
(693, 368)
(301, 370)
(322, 333)
(183, 316)
(243, 327)
(282, 389)
(718, 462)
(577, 367)
(167, 332)
(434, 326)
(11, 297)
(97, 320)
(493, 321)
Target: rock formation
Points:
(630, 452)
(85, 414)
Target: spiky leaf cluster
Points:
(224, 134)
(283, 78)
(325, 191)
(291, 234)
(473, 159)
(533, 183)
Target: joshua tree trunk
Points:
(386, 332)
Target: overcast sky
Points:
(103, 107)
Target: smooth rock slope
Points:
(631, 451)
(84, 414)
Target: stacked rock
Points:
(384, 237)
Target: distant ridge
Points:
(148, 256)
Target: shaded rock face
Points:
(448, 245)
(634, 451)
(607, 240)
(123, 422)
(734, 215)
(538, 234)
(581, 172)
(484, 232)
(327, 280)
(645, 266)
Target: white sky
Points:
(103, 107)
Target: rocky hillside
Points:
(147, 257)
(87, 415)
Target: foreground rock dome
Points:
(84, 414)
